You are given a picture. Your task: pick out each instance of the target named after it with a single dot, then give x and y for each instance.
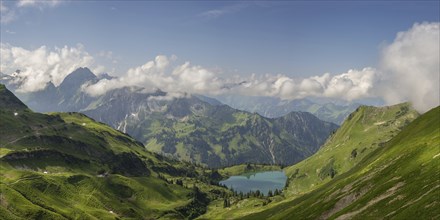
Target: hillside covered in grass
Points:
(362, 132)
(399, 179)
(67, 166)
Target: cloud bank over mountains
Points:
(42, 65)
(408, 71)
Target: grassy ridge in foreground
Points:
(364, 130)
(400, 180)
(44, 172)
(67, 166)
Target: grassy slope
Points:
(72, 190)
(49, 165)
(399, 180)
(363, 131)
(71, 195)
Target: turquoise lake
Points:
(263, 181)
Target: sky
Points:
(248, 43)
(290, 37)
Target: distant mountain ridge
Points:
(334, 111)
(216, 135)
(193, 127)
(273, 107)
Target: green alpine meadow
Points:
(66, 165)
(398, 180)
(219, 110)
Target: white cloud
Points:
(169, 96)
(215, 13)
(354, 84)
(162, 74)
(38, 3)
(41, 65)
(411, 67)
(196, 79)
(409, 71)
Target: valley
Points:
(219, 110)
(44, 156)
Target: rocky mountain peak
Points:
(77, 78)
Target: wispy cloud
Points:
(106, 54)
(38, 3)
(10, 32)
(12, 10)
(6, 14)
(218, 12)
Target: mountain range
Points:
(192, 127)
(334, 111)
(381, 163)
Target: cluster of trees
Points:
(199, 199)
(228, 196)
(255, 194)
(197, 206)
(211, 178)
(177, 181)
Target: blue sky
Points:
(296, 38)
